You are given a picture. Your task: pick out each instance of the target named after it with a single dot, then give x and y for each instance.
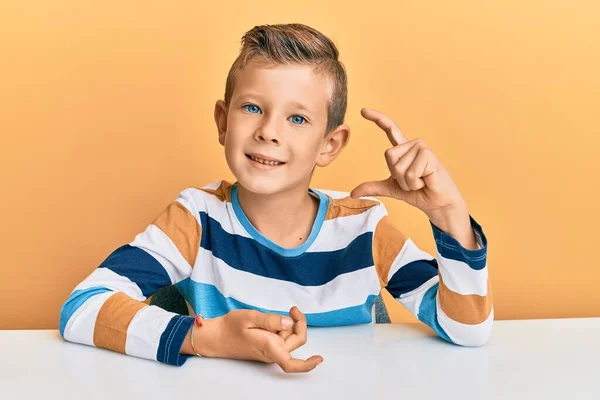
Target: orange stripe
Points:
(348, 206)
(114, 317)
(387, 244)
(470, 309)
(180, 225)
(223, 192)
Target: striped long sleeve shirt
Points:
(205, 245)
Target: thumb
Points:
(374, 188)
(272, 322)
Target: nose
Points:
(267, 132)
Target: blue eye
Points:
(251, 108)
(298, 119)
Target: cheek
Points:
(309, 153)
(232, 139)
(231, 148)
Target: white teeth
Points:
(265, 161)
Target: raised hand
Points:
(417, 176)
(419, 179)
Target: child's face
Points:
(278, 113)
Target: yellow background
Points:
(106, 114)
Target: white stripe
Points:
(409, 253)
(160, 246)
(462, 279)
(220, 211)
(228, 220)
(80, 328)
(145, 330)
(109, 279)
(412, 300)
(340, 232)
(345, 290)
(464, 334)
(187, 199)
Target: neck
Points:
(285, 218)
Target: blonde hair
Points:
(295, 44)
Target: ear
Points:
(221, 120)
(333, 144)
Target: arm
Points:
(450, 293)
(107, 309)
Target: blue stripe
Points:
(428, 313)
(76, 300)
(449, 247)
(260, 238)
(411, 276)
(171, 340)
(308, 269)
(139, 266)
(208, 301)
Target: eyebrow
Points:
(301, 106)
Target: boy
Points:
(245, 254)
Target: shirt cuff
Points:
(171, 340)
(451, 248)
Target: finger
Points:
(285, 334)
(299, 336)
(399, 169)
(375, 188)
(393, 154)
(272, 322)
(391, 129)
(287, 363)
(414, 173)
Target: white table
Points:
(528, 359)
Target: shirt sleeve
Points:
(450, 293)
(108, 310)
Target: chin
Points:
(261, 184)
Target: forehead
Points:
(284, 84)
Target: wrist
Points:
(448, 216)
(455, 221)
(205, 339)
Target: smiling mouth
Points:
(264, 162)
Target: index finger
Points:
(271, 322)
(391, 129)
(289, 364)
